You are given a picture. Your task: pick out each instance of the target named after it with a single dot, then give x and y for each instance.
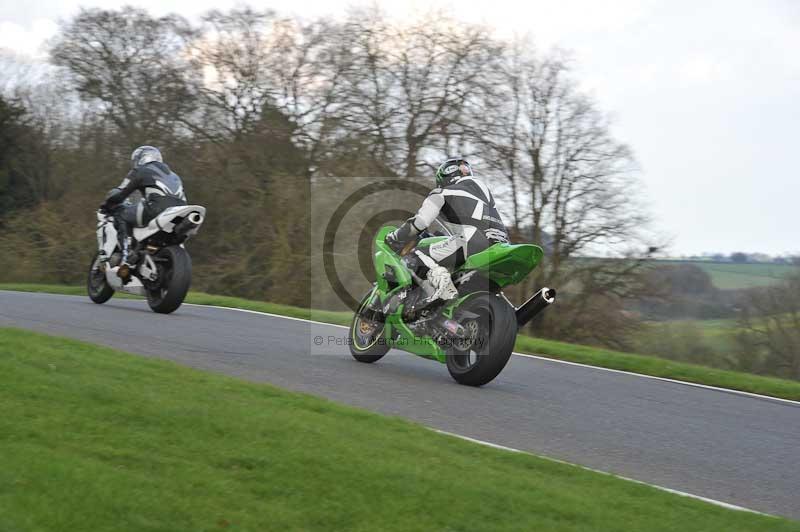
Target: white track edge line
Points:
(656, 486)
(547, 359)
(269, 314)
(665, 379)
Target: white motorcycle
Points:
(160, 268)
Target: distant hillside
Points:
(731, 276)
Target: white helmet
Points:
(145, 154)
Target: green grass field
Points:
(729, 276)
(718, 334)
(593, 356)
(96, 439)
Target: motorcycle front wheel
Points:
(96, 285)
(490, 341)
(367, 343)
(174, 277)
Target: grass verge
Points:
(660, 367)
(593, 356)
(96, 439)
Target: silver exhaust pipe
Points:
(533, 306)
(189, 224)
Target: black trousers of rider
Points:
(129, 213)
(126, 217)
(139, 214)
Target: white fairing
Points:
(106, 234)
(134, 285)
(165, 221)
(108, 243)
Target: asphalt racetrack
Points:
(734, 448)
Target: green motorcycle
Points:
(473, 334)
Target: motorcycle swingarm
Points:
(465, 314)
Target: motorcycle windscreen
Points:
(505, 264)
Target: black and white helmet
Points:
(452, 170)
(143, 155)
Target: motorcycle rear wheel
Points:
(492, 344)
(174, 278)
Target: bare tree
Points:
(233, 52)
(414, 88)
(255, 63)
(255, 99)
(570, 179)
(571, 188)
(133, 65)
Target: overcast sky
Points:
(707, 94)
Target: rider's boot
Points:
(440, 278)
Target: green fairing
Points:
(504, 264)
(386, 260)
(407, 341)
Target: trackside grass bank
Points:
(96, 439)
(660, 367)
(594, 356)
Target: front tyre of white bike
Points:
(490, 342)
(96, 284)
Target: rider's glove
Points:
(103, 208)
(393, 242)
(398, 238)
